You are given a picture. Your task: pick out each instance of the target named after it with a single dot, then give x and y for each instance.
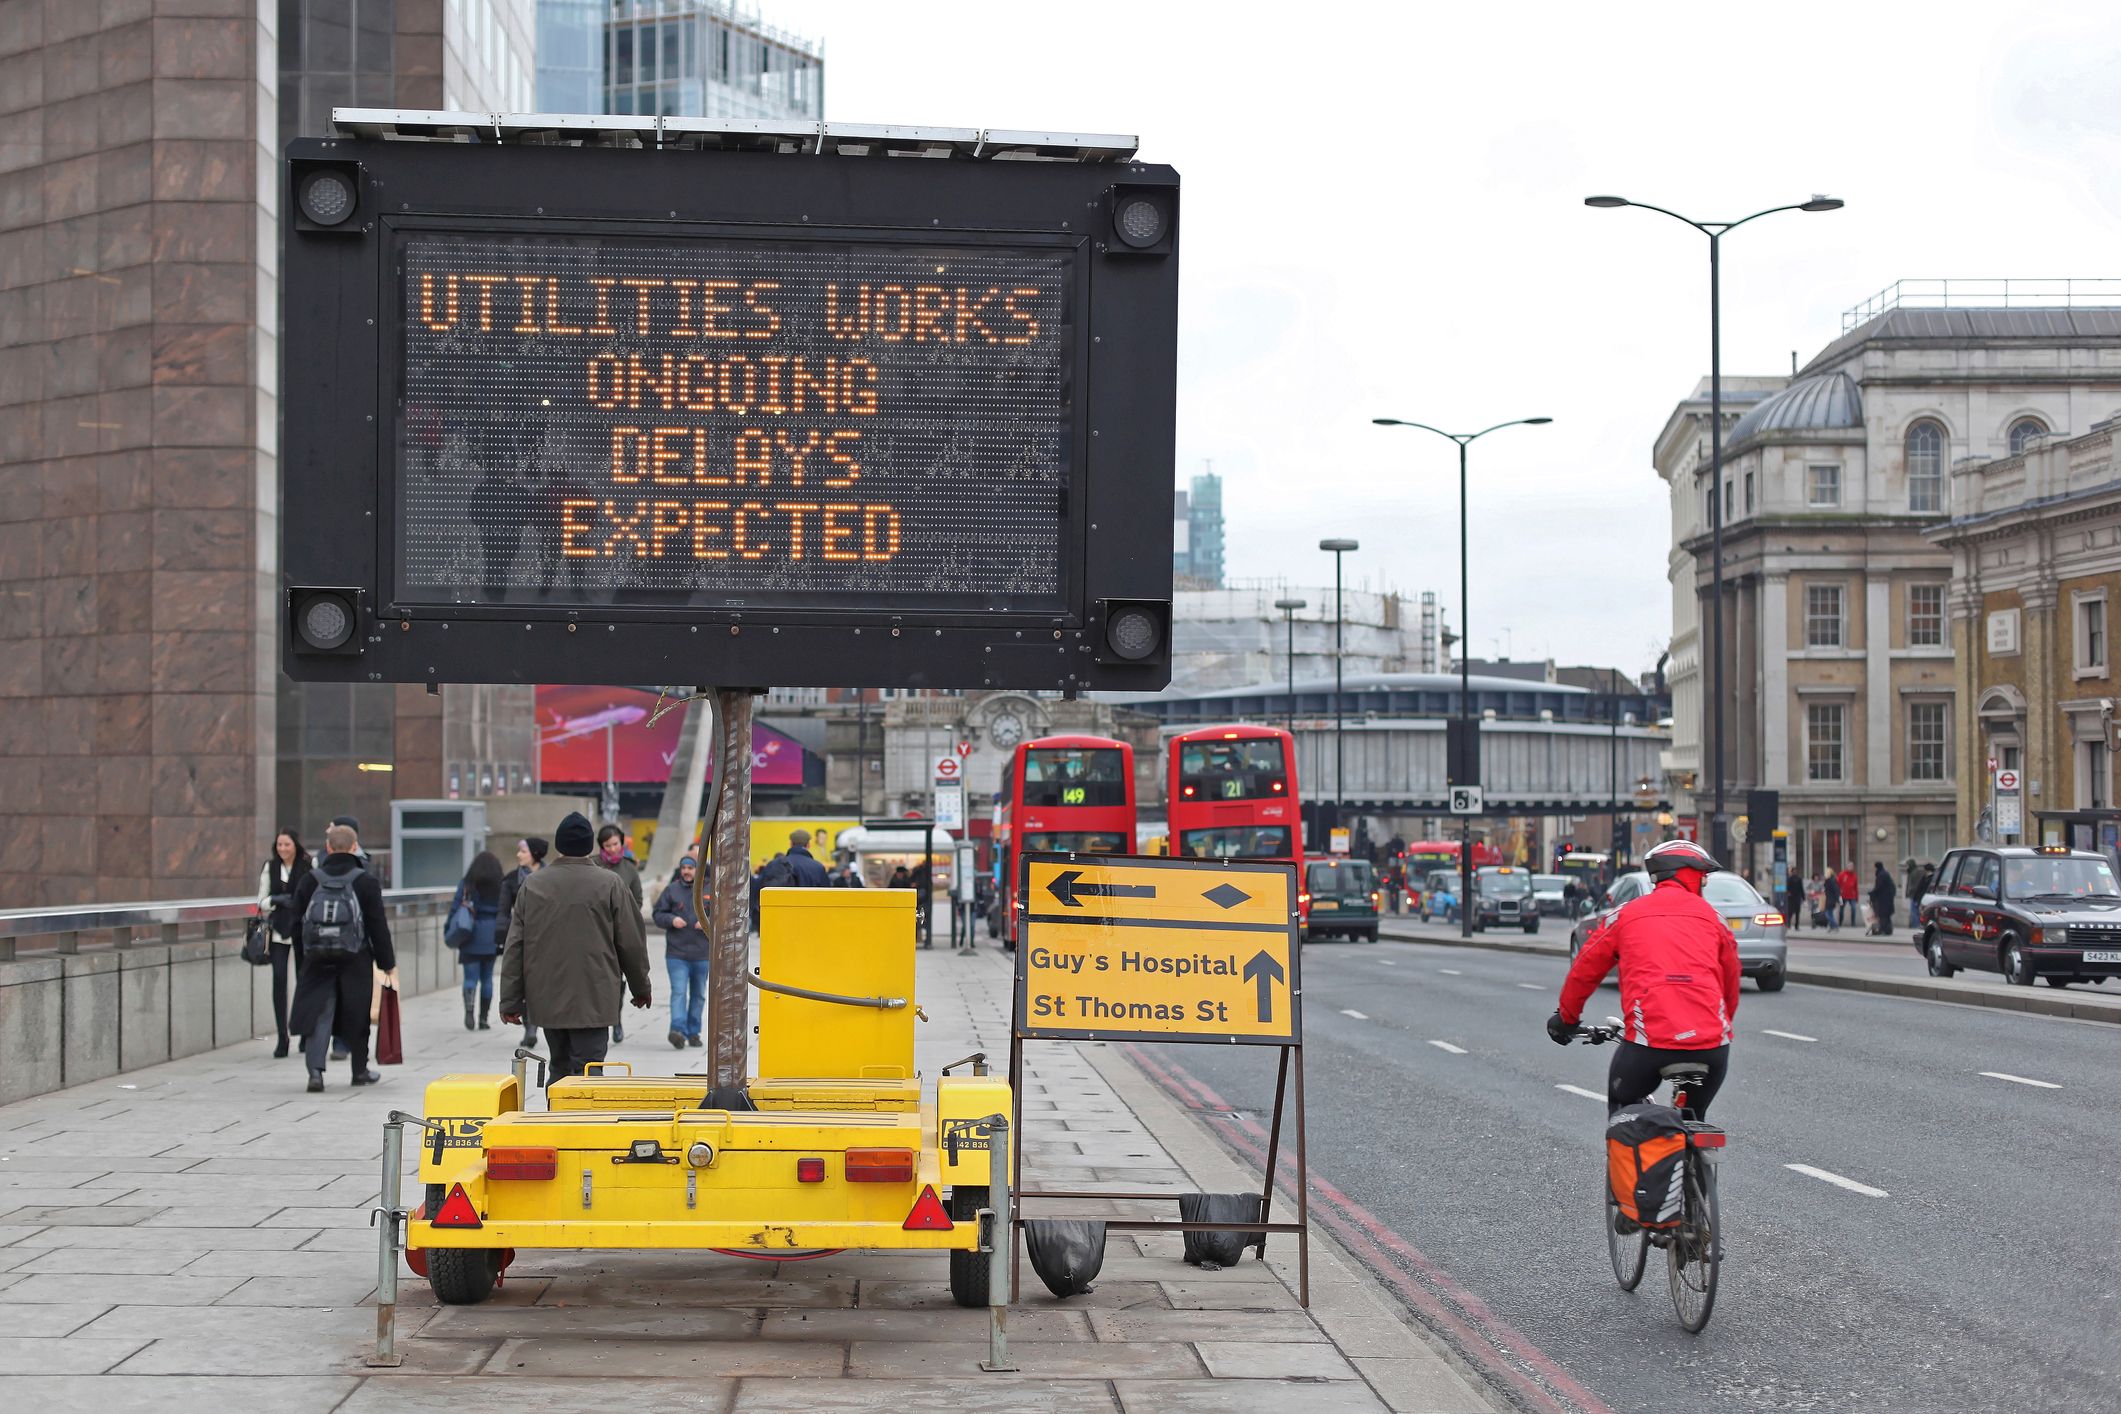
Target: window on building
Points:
(1749, 493)
(2095, 776)
(1926, 838)
(1925, 616)
(2023, 431)
(1925, 467)
(1823, 741)
(2091, 636)
(1822, 616)
(1926, 727)
(1728, 491)
(1822, 485)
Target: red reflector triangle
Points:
(928, 1213)
(456, 1210)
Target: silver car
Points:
(1763, 947)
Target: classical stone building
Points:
(2035, 541)
(1682, 454)
(1840, 686)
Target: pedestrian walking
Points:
(1850, 888)
(900, 879)
(480, 891)
(1882, 902)
(345, 940)
(338, 1046)
(285, 869)
(574, 939)
(611, 853)
(1815, 899)
(1831, 888)
(684, 955)
(1793, 898)
(1918, 887)
(530, 857)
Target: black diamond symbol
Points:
(1226, 895)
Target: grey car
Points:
(1763, 948)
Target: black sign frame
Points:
(340, 404)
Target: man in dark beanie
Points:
(574, 936)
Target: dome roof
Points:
(1823, 400)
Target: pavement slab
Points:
(977, 1393)
(123, 1394)
(1246, 1397)
(50, 1355)
(594, 1357)
(1055, 1360)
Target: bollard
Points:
(1001, 1237)
(391, 1211)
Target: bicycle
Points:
(1693, 1246)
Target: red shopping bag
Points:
(390, 1033)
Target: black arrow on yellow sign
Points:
(1067, 886)
(1264, 970)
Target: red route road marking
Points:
(1488, 1340)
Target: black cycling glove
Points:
(1560, 1031)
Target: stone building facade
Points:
(1841, 691)
(1681, 454)
(2035, 541)
(140, 703)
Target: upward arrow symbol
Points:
(1264, 970)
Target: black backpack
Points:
(332, 923)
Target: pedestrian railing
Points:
(121, 925)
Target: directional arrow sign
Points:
(1159, 948)
(1267, 972)
(1067, 886)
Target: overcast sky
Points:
(1383, 216)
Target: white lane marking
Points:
(1450, 972)
(1579, 1090)
(1785, 1035)
(1533, 986)
(1447, 1046)
(1838, 1181)
(1347, 1011)
(2021, 1080)
(1387, 962)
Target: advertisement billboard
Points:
(575, 724)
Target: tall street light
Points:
(1338, 548)
(1288, 609)
(1715, 231)
(1465, 663)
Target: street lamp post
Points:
(1338, 548)
(1465, 664)
(1288, 609)
(1715, 231)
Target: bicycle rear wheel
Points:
(1629, 1250)
(1695, 1253)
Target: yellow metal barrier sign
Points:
(1157, 949)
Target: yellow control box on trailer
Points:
(851, 943)
(963, 1105)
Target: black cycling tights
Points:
(1634, 1075)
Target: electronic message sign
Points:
(578, 414)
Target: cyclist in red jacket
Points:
(1678, 980)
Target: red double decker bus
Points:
(1424, 857)
(1231, 793)
(1059, 795)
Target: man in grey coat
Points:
(574, 937)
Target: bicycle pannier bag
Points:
(1645, 1149)
(332, 923)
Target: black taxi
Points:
(2027, 912)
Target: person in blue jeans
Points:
(480, 890)
(685, 955)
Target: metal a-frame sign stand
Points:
(1161, 950)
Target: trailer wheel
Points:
(462, 1276)
(459, 1276)
(968, 1270)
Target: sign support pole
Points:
(728, 998)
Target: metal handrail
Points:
(63, 924)
(2058, 292)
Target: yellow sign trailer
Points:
(842, 1148)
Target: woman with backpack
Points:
(284, 871)
(472, 933)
